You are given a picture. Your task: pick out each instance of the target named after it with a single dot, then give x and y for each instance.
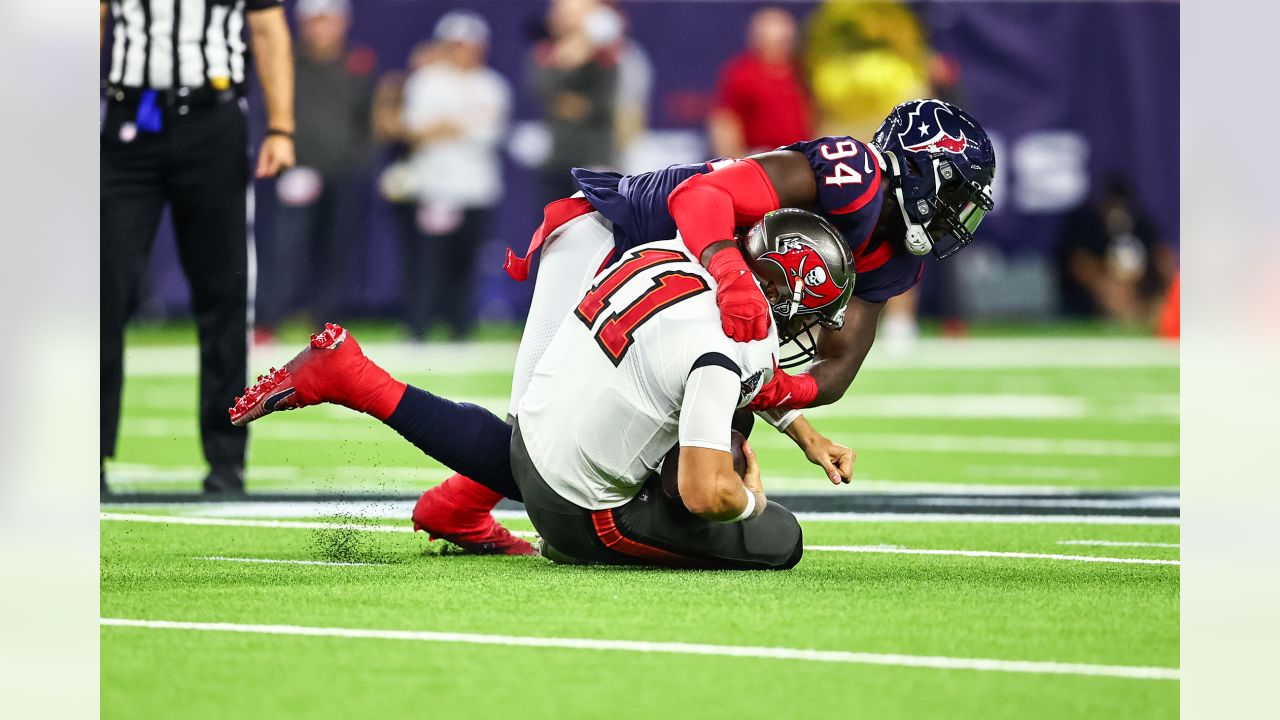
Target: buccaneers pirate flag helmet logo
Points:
(807, 270)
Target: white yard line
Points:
(675, 648)
(1119, 543)
(361, 478)
(307, 525)
(804, 517)
(275, 561)
(891, 550)
(957, 355)
(229, 522)
(987, 445)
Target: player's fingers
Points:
(832, 473)
(845, 463)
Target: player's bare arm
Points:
(842, 352)
(711, 489)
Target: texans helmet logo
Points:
(800, 261)
(931, 126)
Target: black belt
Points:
(181, 99)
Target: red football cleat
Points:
(331, 369)
(445, 513)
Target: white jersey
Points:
(641, 363)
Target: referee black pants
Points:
(653, 529)
(199, 167)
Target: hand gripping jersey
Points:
(640, 364)
(850, 195)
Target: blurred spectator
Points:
(316, 222)
(635, 89)
(575, 74)
(762, 102)
(1110, 261)
(455, 116)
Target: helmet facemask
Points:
(940, 165)
(805, 269)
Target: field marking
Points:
(276, 561)
(892, 550)
(328, 478)
(304, 430)
(675, 648)
(996, 519)
(308, 525)
(803, 517)
(231, 522)
(992, 445)
(1119, 543)
(961, 355)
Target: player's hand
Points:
(835, 459)
(752, 479)
(275, 156)
(744, 312)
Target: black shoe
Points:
(224, 480)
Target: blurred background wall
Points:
(1072, 92)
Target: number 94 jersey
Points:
(604, 404)
(851, 194)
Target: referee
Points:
(174, 133)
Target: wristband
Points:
(279, 132)
(728, 263)
(751, 506)
(779, 418)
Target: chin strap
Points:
(916, 239)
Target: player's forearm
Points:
(273, 56)
(723, 499)
(833, 378)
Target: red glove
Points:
(744, 312)
(786, 391)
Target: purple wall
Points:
(1070, 91)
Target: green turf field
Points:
(1083, 412)
(1003, 608)
(1077, 617)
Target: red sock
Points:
(382, 392)
(470, 494)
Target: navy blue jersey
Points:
(849, 195)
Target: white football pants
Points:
(570, 258)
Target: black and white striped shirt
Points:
(163, 44)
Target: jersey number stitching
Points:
(617, 333)
(844, 174)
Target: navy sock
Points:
(465, 438)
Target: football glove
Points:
(744, 312)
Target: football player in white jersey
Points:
(639, 366)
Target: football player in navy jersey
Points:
(922, 185)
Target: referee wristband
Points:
(279, 132)
(751, 506)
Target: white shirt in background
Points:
(464, 171)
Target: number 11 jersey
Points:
(605, 401)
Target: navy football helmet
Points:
(940, 164)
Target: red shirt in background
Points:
(770, 101)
